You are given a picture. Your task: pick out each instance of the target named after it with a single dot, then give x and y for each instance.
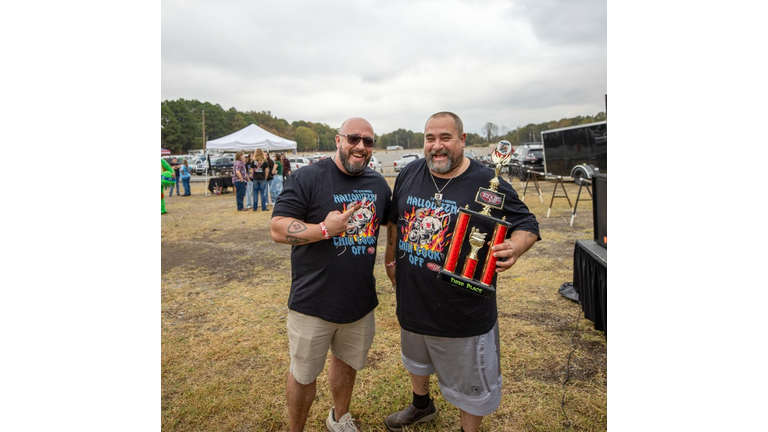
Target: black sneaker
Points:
(410, 416)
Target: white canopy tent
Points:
(250, 138)
(247, 139)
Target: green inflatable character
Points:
(166, 179)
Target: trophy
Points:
(489, 198)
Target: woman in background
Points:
(277, 182)
(239, 178)
(185, 176)
(270, 177)
(260, 170)
(249, 184)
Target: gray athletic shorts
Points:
(310, 337)
(468, 369)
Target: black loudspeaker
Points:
(600, 208)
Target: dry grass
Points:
(225, 351)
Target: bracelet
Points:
(325, 231)
(391, 264)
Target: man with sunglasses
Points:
(447, 330)
(330, 212)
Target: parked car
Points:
(375, 165)
(298, 162)
(524, 158)
(318, 156)
(403, 161)
(487, 161)
(222, 165)
(200, 167)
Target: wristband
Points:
(391, 264)
(325, 231)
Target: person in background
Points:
(260, 169)
(239, 179)
(176, 166)
(286, 167)
(330, 213)
(185, 176)
(249, 187)
(166, 179)
(277, 181)
(445, 329)
(270, 178)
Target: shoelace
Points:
(348, 425)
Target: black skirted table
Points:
(221, 182)
(590, 280)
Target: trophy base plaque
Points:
(468, 284)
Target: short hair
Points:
(456, 119)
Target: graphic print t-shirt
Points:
(333, 279)
(259, 169)
(425, 304)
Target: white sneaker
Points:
(345, 424)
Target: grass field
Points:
(225, 287)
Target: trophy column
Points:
(490, 261)
(455, 248)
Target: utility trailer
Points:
(576, 151)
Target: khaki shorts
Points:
(310, 337)
(468, 369)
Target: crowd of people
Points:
(258, 178)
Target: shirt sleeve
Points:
(294, 197)
(393, 214)
(517, 212)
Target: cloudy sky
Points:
(510, 62)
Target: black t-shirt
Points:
(271, 169)
(425, 304)
(259, 170)
(248, 166)
(333, 279)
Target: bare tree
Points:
(490, 130)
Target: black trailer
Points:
(576, 151)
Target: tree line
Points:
(182, 128)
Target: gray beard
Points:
(440, 169)
(352, 169)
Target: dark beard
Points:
(352, 169)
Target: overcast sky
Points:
(510, 62)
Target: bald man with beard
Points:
(330, 213)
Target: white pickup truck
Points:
(403, 161)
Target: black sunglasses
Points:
(354, 139)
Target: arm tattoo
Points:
(295, 240)
(296, 227)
